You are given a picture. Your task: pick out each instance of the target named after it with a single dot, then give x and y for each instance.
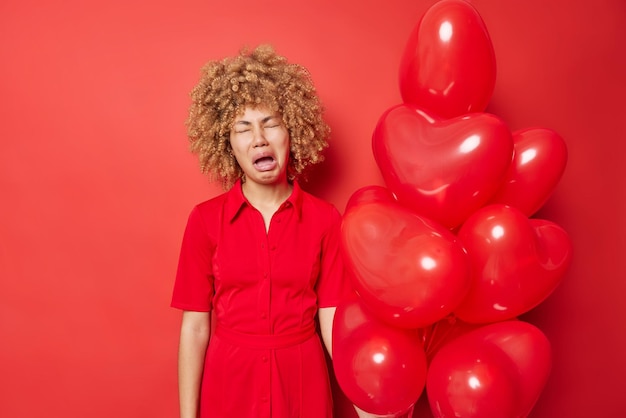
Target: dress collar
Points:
(235, 200)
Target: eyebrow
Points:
(264, 120)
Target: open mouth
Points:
(265, 163)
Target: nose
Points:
(259, 139)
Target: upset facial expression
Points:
(260, 143)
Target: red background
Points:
(96, 181)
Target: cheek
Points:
(288, 152)
(239, 161)
(287, 146)
(237, 148)
(237, 157)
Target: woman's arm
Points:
(326, 317)
(195, 330)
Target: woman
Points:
(263, 258)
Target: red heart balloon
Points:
(448, 65)
(539, 162)
(442, 169)
(516, 263)
(381, 369)
(408, 270)
(497, 370)
(369, 194)
(529, 349)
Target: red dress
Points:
(265, 358)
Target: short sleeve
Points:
(332, 286)
(193, 288)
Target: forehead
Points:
(252, 113)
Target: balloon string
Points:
(429, 332)
(438, 337)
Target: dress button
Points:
(264, 358)
(263, 315)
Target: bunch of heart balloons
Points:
(445, 258)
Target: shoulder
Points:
(211, 205)
(319, 209)
(206, 212)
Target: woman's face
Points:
(260, 143)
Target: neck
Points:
(264, 195)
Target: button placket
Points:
(264, 283)
(265, 388)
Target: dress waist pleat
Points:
(265, 341)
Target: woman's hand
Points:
(362, 414)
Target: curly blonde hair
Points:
(257, 78)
